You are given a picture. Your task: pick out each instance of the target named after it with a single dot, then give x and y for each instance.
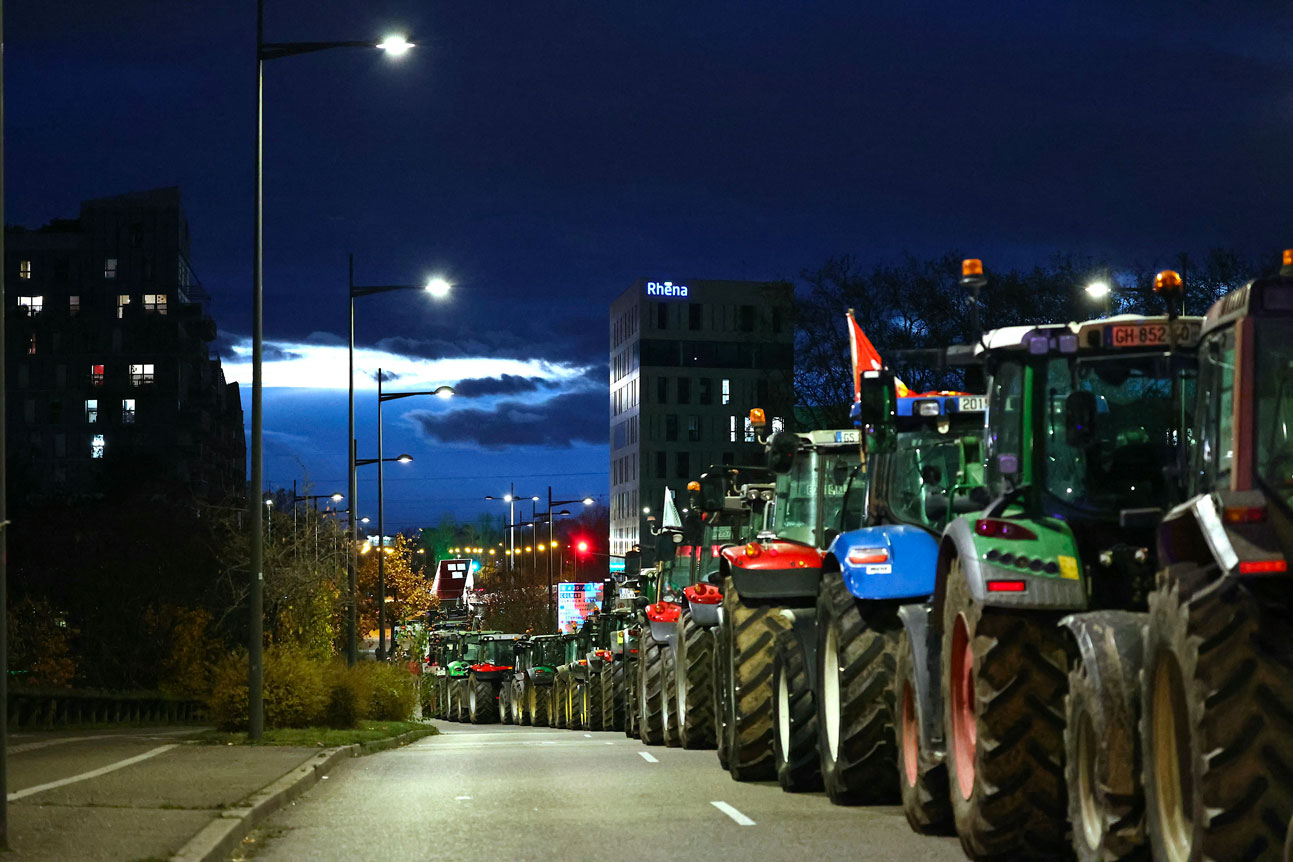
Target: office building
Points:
(688, 361)
(111, 380)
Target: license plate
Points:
(972, 403)
(1147, 334)
(847, 437)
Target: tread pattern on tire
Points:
(669, 699)
(486, 701)
(650, 692)
(542, 697)
(752, 632)
(798, 766)
(1018, 805)
(695, 658)
(925, 802)
(1233, 644)
(865, 770)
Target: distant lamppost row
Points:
(438, 288)
(394, 46)
(382, 398)
(404, 458)
(510, 499)
(587, 501)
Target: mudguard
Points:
(995, 559)
(703, 601)
(925, 648)
(910, 568)
(662, 619)
(778, 570)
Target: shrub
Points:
(349, 693)
(227, 701)
(295, 692)
(393, 692)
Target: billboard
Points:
(575, 602)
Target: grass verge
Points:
(321, 737)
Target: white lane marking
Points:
(646, 755)
(589, 735)
(460, 798)
(94, 773)
(741, 819)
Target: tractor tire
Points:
(575, 718)
(794, 715)
(593, 713)
(540, 704)
(631, 684)
(856, 664)
(1217, 717)
(442, 698)
(1106, 807)
(668, 692)
(1005, 674)
(613, 695)
(650, 692)
(505, 702)
(482, 701)
(693, 695)
(524, 715)
(924, 788)
(559, 716)
(458, 699)
(722, 734)
(749, 671)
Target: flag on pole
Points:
(670, 519)
(865, 356)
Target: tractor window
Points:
(1215, 453)
(472, 654)
(1274, 464)
(549, 652)
(496, 652)
(1004, 432)
(795, 516)
(912, 499)
(1136, 431)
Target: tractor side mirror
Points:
(781, 450)
(1079, 419)
(875, 411)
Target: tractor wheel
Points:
(924, 787)
(458, 699)
(856, 660)
(524, 710)
(593, 703)
(1005, 674)
(505, 702)
(631, 684)
(722, 736)
(540, 701)
(1217, 718)
(650, 684)
(668, 692)
(618, 713)
(575, 717)
(749, 671)
(693, 694)
(1102, 771)
(441, 698)
(559, 715)
(482, 701)
(794, 714)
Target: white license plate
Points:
(1147, 334)
(847, 437)
(972, 403)
(880, 569)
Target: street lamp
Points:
(438, 288)
(587, 501)
(395, 46)
(1100, 290)
(510, 499)
(404, 458)
(382, 398)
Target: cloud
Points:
(558, 422)
(506, 384)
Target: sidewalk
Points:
(151, 794)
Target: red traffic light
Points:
(583, 546)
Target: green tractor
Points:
(489, 663)
(1084, 451)
(530, 696)
(569, 689)
(609, 671)
(445, 650)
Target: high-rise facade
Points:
(110, 376)
(688, 361)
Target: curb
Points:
(219, 838)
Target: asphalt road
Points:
(517, 793)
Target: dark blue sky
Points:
(544, 155)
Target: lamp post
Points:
(587, 501)
(381, 538)
(438, 288)
(310, 498)
(510, 499)
(382, 398)
(1100, 290)
(394, 46)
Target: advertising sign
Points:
(575, 603)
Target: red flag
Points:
(865, 356)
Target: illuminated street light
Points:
(1100, 290)
(395, 45)
(438, 287)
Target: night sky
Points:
(542, 156)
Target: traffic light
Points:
(582, 546)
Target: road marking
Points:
(741, 819)
(94, 773)
(589, 735)
(646, 755)
(460, 798)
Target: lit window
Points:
(123, 300)
(141, 375)
(727, 391)
(732, 428)
(73, 305)
(31, 345)
(91, 410)
(96, 446)
(24, 269)
(110, 268)
(749, 431)
(33, 304)
(96, 375)
(155, 302)
(778, 424)
(127, 411)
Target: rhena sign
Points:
(665, 288)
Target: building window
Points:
(127, 411)
(24, 269)
(123, 300)
(727, 391)
(660, 468)
(55, 412)
(732, 429)
(31, 345)
(662, 390)
(155, 302)
(96, 375)
(33, 304)
(110, 268)
(684, 390)
(747, 318)
(73, 306)
(694, 315)
(706, 395)
(683, 465)
(96, 446)
(91, 410)
(693, 428)
(141, 375)
(671, 427)
(749, 431)
(661, 316)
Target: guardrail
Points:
(52, 708)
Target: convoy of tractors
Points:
(1051, 615)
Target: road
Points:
(518, 793)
